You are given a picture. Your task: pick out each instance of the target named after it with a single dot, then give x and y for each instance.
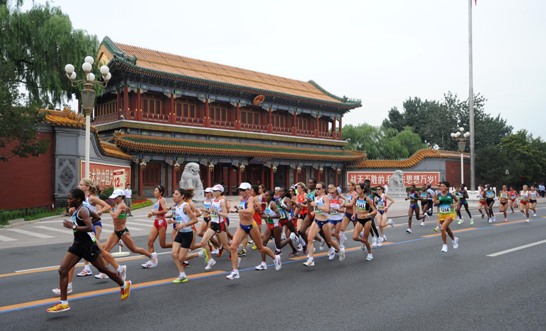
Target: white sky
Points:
(379, 51)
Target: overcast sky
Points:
(380, 51)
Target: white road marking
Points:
(517, 248)
(30, 233)
(4, 238)
(65, 231)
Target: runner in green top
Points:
(446, 214)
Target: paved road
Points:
(410, 285)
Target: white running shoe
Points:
(444, 248)
(233, 275)
(374, 242)
(300, 248)
(384, 238)
(369, 257)
(154, 260)
(380, 242)
(527, 221)
(210, 264)
(331, 253)
(460, 221)
(261, 266)
(456, 243)
(214, 251)
(490, 220)
(147, 265)
(309, 263)
(535, 215)
(422, 223)
(122, 272)
(85, 272)
(471, 220)
(390, 222)
(277, 262)
(101, 276)
(436, 228)
(57, 291)
(341, 254)
(408, 230)
(322, 244)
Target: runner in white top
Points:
(382, 204)
(337, 212)
(524, 202)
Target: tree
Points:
(34, 47)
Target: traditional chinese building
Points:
(166, 110)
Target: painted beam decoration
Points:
(381, 178)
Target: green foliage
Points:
(35, 45)
(141, 204)
(29, 213)
(105, 195)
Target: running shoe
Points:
(294, 238)
(278, 262)
(422, 223)
(363, 247)
(490, 220)
(309, 263)
(535, 215)
(154, 260)
(483, 217)
(233, 275)
(126, 291)
(250, 241)
(122, 272)
(101, 276)
(471, 220)
(147, 265)
(260, 267)
(221, 251)
(186, 264)
(369, 257)
(180, 279)
(527, 221)
(322, 244)
(390, 222)
(380, 242)
(331, 253)
(436, 228)
(210, 264)
(58, 308)
(374, 242)
(278, 252)
(341, 254)
(85, 273)
(254, 247)
(206, 255)
(214, 251)
(408, 230)
(300, 248)
(444, 248)
(293, 254)
(384, 238)
(456, 243)
(460, 221)
(57, 291)
(242, 252)
(505, 220)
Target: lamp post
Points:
(88, 85)
(461, 137)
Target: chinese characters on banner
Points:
(105, 175)
(381, 178)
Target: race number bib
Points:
(445, 209)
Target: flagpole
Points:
(471, 100)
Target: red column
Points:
(271, 179)
(238, 118)
(295, 125)
(296, 176)
(263, 175)
(287, 176)
(316, 126)
(207, 113)
(334, 133)
(118, 104)
(340, 135)
(270, 121)
(126, 108)
(140, 186)
(209, 177)
(138, 110)
(239, 175)
(174, 179)
(172, 113)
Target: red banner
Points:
(381, 178)
(102, 174)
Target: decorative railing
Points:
(105, 118)
(195, 121)
(222, 124)
(253, 127)
(163, 118)
(282, 129)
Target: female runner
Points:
(160, 224)
(247, 226)
(524, 202)
(350, 199)
(273, 229)
(504, 200)
(364, 211)
(337, 210)
(533, 195)
(446, 214)
(413, 207)
(462, 195)
(514, 195)
(382, 203)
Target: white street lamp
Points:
(88, 97)
(461, 137)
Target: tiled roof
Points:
(210, 71)
(68, 118)
(406, 163)
(178, 146)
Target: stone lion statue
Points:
(397, 179)
(191, 179)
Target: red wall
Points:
(453, 172)
(28, 182)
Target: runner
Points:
(350, 199)
(321, 205)
(284, 205)
(363, 216)
(513, 198)
(446, 214)
(273, 229)
(184, 218)
(119, 216)
(503, 199)
(84, 246)
(481, 202)
(533, 195)
(413, 206)
(337, 210)
(160, 224)
(247, 226)
(524, 202)
(301, 212)
(382, 203)
(462, 195)
(490, 201)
